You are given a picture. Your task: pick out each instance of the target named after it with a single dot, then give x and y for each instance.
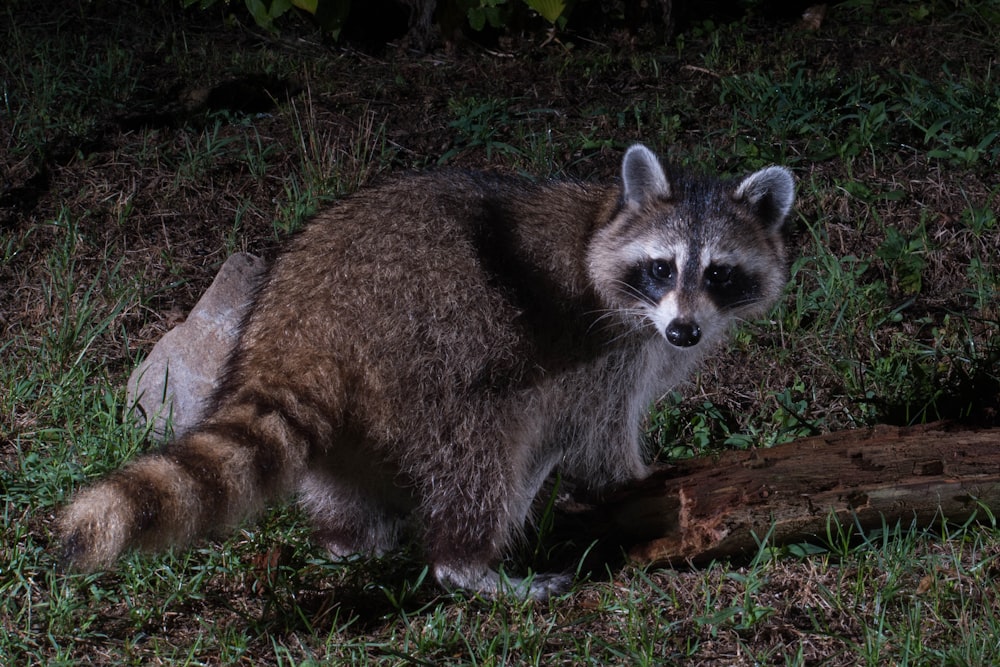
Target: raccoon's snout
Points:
(683, 333)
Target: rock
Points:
(171, 386)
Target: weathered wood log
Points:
(702, 509)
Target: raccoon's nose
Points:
(683, 334)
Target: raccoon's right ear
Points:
(643, 178)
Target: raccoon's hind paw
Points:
(544, 585)
(491, 584)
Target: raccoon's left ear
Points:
(770, 192)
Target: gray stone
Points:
(172, 385)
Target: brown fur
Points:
(432, 349)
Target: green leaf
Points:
(477, 19)
(279, 7)
(550, 10)
(259, 12)
(306, 5)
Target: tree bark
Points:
(702, 509)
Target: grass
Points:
(114, 218)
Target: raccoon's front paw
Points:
(491, 584)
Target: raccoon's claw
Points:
(491, 584)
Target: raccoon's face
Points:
(690, 256)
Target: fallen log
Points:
(691, 512)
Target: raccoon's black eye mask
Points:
(662, 270)
(651, 279)
(719, 275)
(731, 286)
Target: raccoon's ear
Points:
(770, 192)
(642, 176)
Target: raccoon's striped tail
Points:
(207, 481)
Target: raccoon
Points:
(425, 354)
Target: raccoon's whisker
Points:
(611, 317)
(631, 290)
(620, 337)
(638, 322)
(633, 315)
(606, 317)
(601, 323)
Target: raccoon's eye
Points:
(718, 274)
(661, 269)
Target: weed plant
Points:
(120, 200)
